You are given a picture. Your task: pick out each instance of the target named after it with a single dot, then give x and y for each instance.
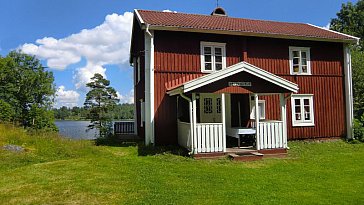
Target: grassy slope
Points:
(54, 170)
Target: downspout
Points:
(191, 121)
(147, 31)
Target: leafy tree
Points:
(24, 83)
(350, 20)
(101, 101)
(6, 112)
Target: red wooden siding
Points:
(177, 60)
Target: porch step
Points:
(213, 155)
(251, 156)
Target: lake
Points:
(75, 129)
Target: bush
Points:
(358, 130)
(6, 111)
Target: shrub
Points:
(358, 130)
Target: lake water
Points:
(75, 129)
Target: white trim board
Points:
(232, 70)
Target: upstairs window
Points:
(302, 110)
(213, 57)
(299, 60)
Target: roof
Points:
(158, 20)
(232, 70)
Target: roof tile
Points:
(223, 23)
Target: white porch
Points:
(203, 134)
(202, 137)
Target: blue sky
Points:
(76, 38)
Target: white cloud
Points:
(68, 98)
(128, 98)
(83, 75)
(167, 10)
(327, 27)
(106, 44)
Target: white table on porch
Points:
(237, 131)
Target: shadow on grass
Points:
(143, 150)
(157, 150)
(113, 141)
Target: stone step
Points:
(245, 157)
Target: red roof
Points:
(208, 23)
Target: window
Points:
(138, 62)
(213, 57)
(261, 109)
(299, 60)
(136, 65)
(302, 110)
(142, 112)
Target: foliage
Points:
(121, 112)
(76, 172)
(41, 118)
(101, 101)
(350, 20)
(358, 82)
(358, 130)
(6, 112)
(25, 83)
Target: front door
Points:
(210, 108)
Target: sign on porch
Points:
(240, 84)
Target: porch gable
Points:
(232, 77)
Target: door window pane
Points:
(207, 105)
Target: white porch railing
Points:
(184, 134)
(209, 137)
(271, 135)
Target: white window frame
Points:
(142, 112)
(204, 44)
(138, 62)
(302, 122)
(252, 109)
(308, 57)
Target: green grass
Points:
(59, 171)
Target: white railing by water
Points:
(184, 135)
(271, 135)
(209, 137)
(124, 127)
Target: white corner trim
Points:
(149, 88)
(356, 38)
(348, 92)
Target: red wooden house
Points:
(200, 79)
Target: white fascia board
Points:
(347, 35)
(237, 68)
(140, 20)
(263, 74)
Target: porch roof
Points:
(230, 71)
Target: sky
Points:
(77, 38)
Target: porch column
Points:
(257, 120)
(193, 118)
(283, 118)
(223, 122)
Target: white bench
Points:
(237, 131)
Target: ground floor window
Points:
(261, 108)
(302, 110)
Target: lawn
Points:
(54, 170)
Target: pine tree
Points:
(101, 101)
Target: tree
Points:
(350, 20)
(101, 101)
(24, 83)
